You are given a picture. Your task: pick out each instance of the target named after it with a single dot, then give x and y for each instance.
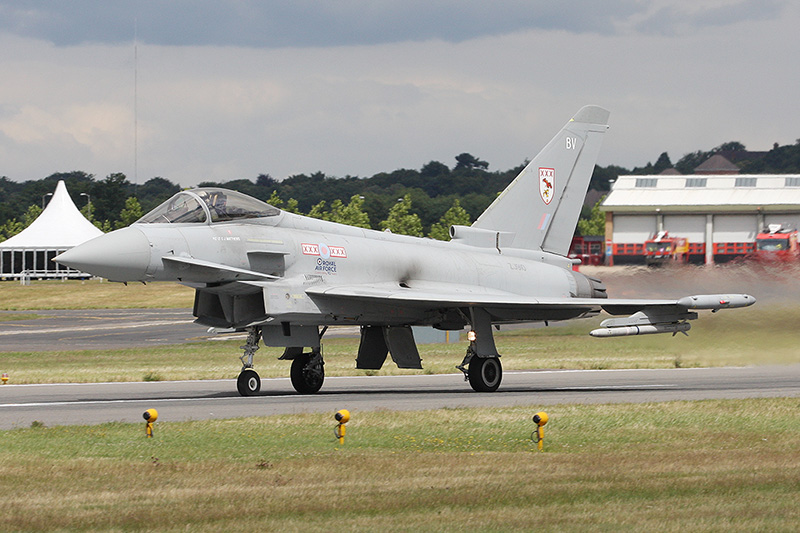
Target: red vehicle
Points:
(663, 249)
(589, 249)
(777, 243)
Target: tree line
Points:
(422, 202)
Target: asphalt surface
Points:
(108, 329)
(97, 329)
(60, 404)
(65, 404)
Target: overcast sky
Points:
(233, 89)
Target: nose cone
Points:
(122, 255)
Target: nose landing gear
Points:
(249, 383)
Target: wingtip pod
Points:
(716, 301)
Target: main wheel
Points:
(248, 382)
(485, 373)
(307, 373)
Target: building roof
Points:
(59, 226)
(716, 164)
(707, 193)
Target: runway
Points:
(66, 404)
(108, 329)
(97, 329)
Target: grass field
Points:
(758, 335)
(92, 294)
(679, 466)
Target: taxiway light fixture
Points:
(5, 378)
(540, 419)
(150, 416)
(343, 417)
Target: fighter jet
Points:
(285, 278)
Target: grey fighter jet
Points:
(284, 278)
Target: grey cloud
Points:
(303, 23)
(673, 20)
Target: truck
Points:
(777, 243)
(662, 248)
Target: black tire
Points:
(248, 382)
(485, 374)
(306, 378)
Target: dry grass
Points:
(92, 294)
(680, 466)
(763, 334)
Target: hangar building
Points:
(718, 214)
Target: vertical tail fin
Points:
(542, 205)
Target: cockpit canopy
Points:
(204, 204)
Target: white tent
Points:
(60, 227)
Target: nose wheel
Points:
(248, 382)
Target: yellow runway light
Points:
(540, 419)
(150, 416)
(343, 417)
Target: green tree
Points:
(10, 228)
(469, 161)
(88, 212)
(455, 216)
(318, 211)
(103, 225)
(30, 215)
(662, 164)
(351, 214)
(274, 199)
(292, 206)
(131, 213)
(153, 192)
(434, 169)
(596, 223)
(108, 196)
(401, 221)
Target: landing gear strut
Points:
(249, 383)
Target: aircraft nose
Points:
(122, 255)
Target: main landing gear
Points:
(307, 372)
(481, 366)
(484, 373)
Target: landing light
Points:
(471, 336)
